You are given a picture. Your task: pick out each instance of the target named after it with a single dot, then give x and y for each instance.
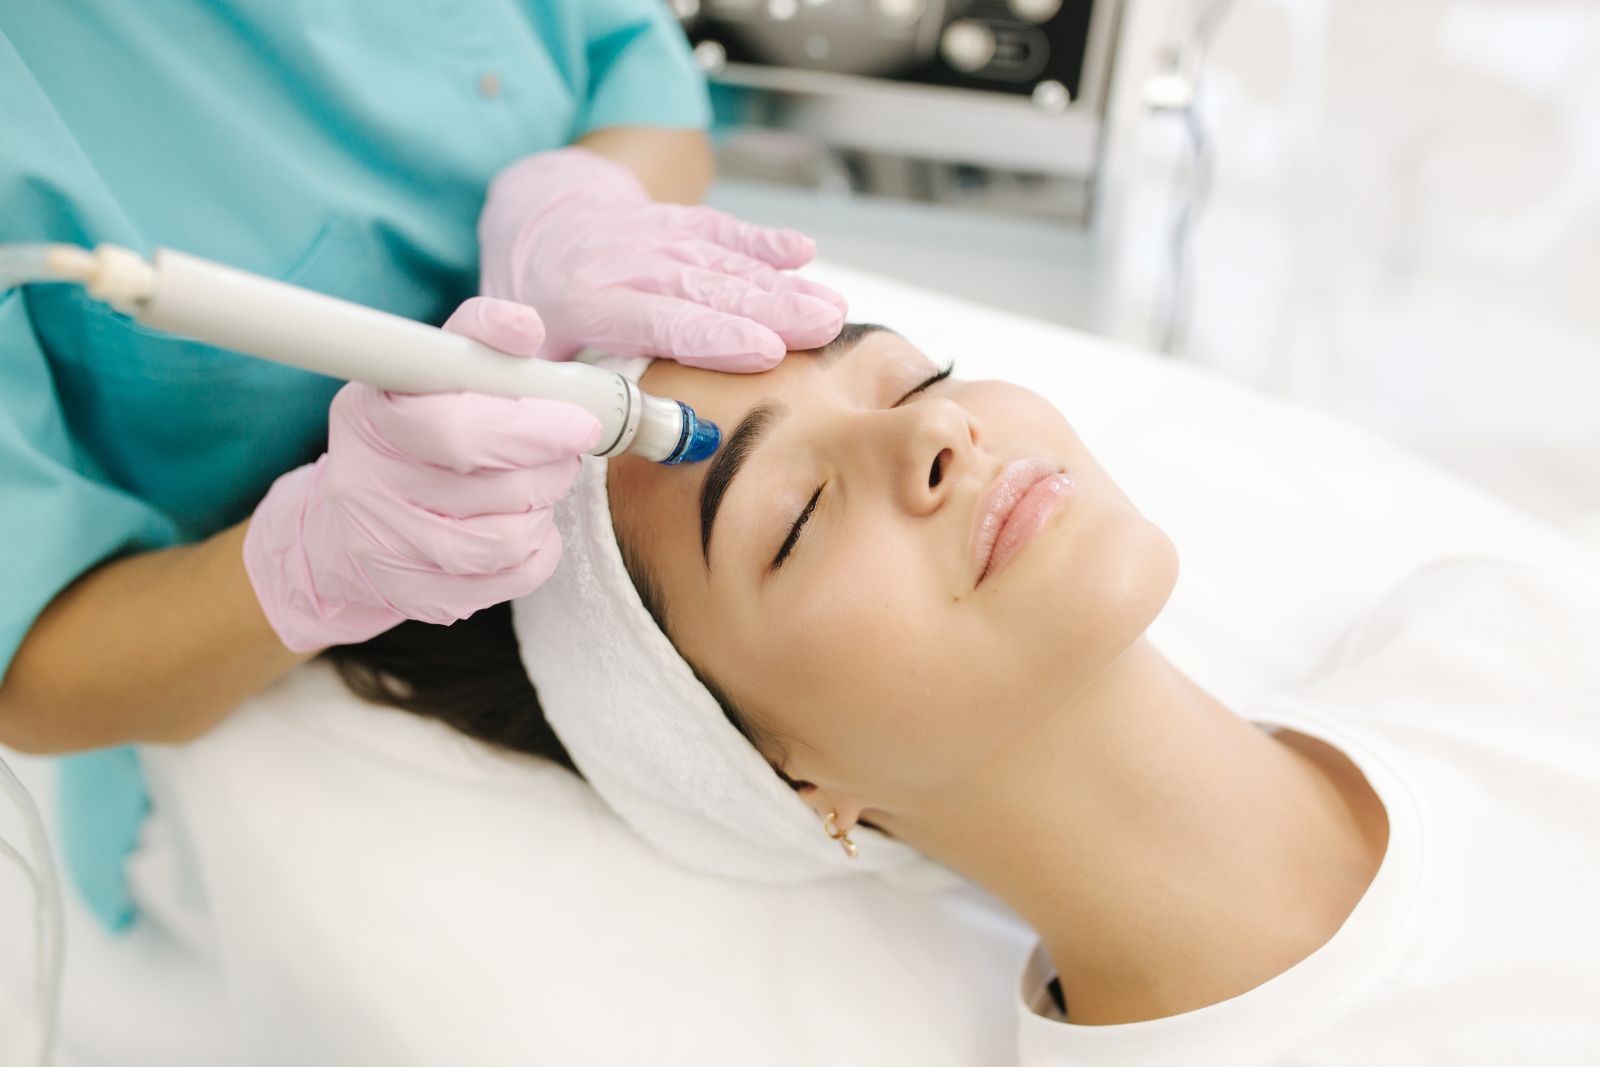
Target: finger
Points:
(799, 320)
(485, 544)
(504, 324)
(715, 257)
(817, 291)
(712, 256)
(467, 432)
(432, 595)
(533, 571)
(695, 335)
(785, 249)
(483, 492)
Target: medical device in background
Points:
(1087, 113)
(995, 103)
(272, 320)
(45, 885)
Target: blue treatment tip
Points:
(699, 440)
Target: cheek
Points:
(887, 685)
(854, 643)
(1015, 421)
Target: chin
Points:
(1096, 588)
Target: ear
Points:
(846, 809)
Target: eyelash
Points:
(932, 380)
(811, 505)
(794, 531)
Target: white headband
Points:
(649, 737)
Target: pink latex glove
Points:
(424, 507)
(576, 236)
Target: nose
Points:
(928, 446)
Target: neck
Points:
(1168, 853)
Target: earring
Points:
(841, 836)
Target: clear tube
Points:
(25, 264)
(21, 264)
(47, 913)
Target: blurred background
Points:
(1387, 211)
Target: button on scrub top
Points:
(343, 146)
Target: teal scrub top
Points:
(344, 146)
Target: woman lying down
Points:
(897, 626)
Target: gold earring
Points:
(841, 836)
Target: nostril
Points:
(936, 474)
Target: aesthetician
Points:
(181, 525)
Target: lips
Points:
(1012, 510)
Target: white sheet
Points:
(386, 893)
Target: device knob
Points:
(1034, 10)
(967, 45)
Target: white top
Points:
(1471, 702)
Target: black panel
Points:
(853, 36)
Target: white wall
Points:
(1404, 226)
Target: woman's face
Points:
(843, 584)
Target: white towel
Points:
(650, 738)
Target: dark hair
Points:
(468, 675)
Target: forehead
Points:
(726, 398)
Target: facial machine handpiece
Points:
(272, 320)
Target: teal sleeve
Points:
(640, 70)
(56, 519)
(103, 803)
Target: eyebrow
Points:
(735, 452)
(729, 460)
(850, 335)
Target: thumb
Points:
(504, 324)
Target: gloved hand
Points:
(423, 507)
(577, 237)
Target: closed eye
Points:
(811, 506)
(794, 531)
(932, 380)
